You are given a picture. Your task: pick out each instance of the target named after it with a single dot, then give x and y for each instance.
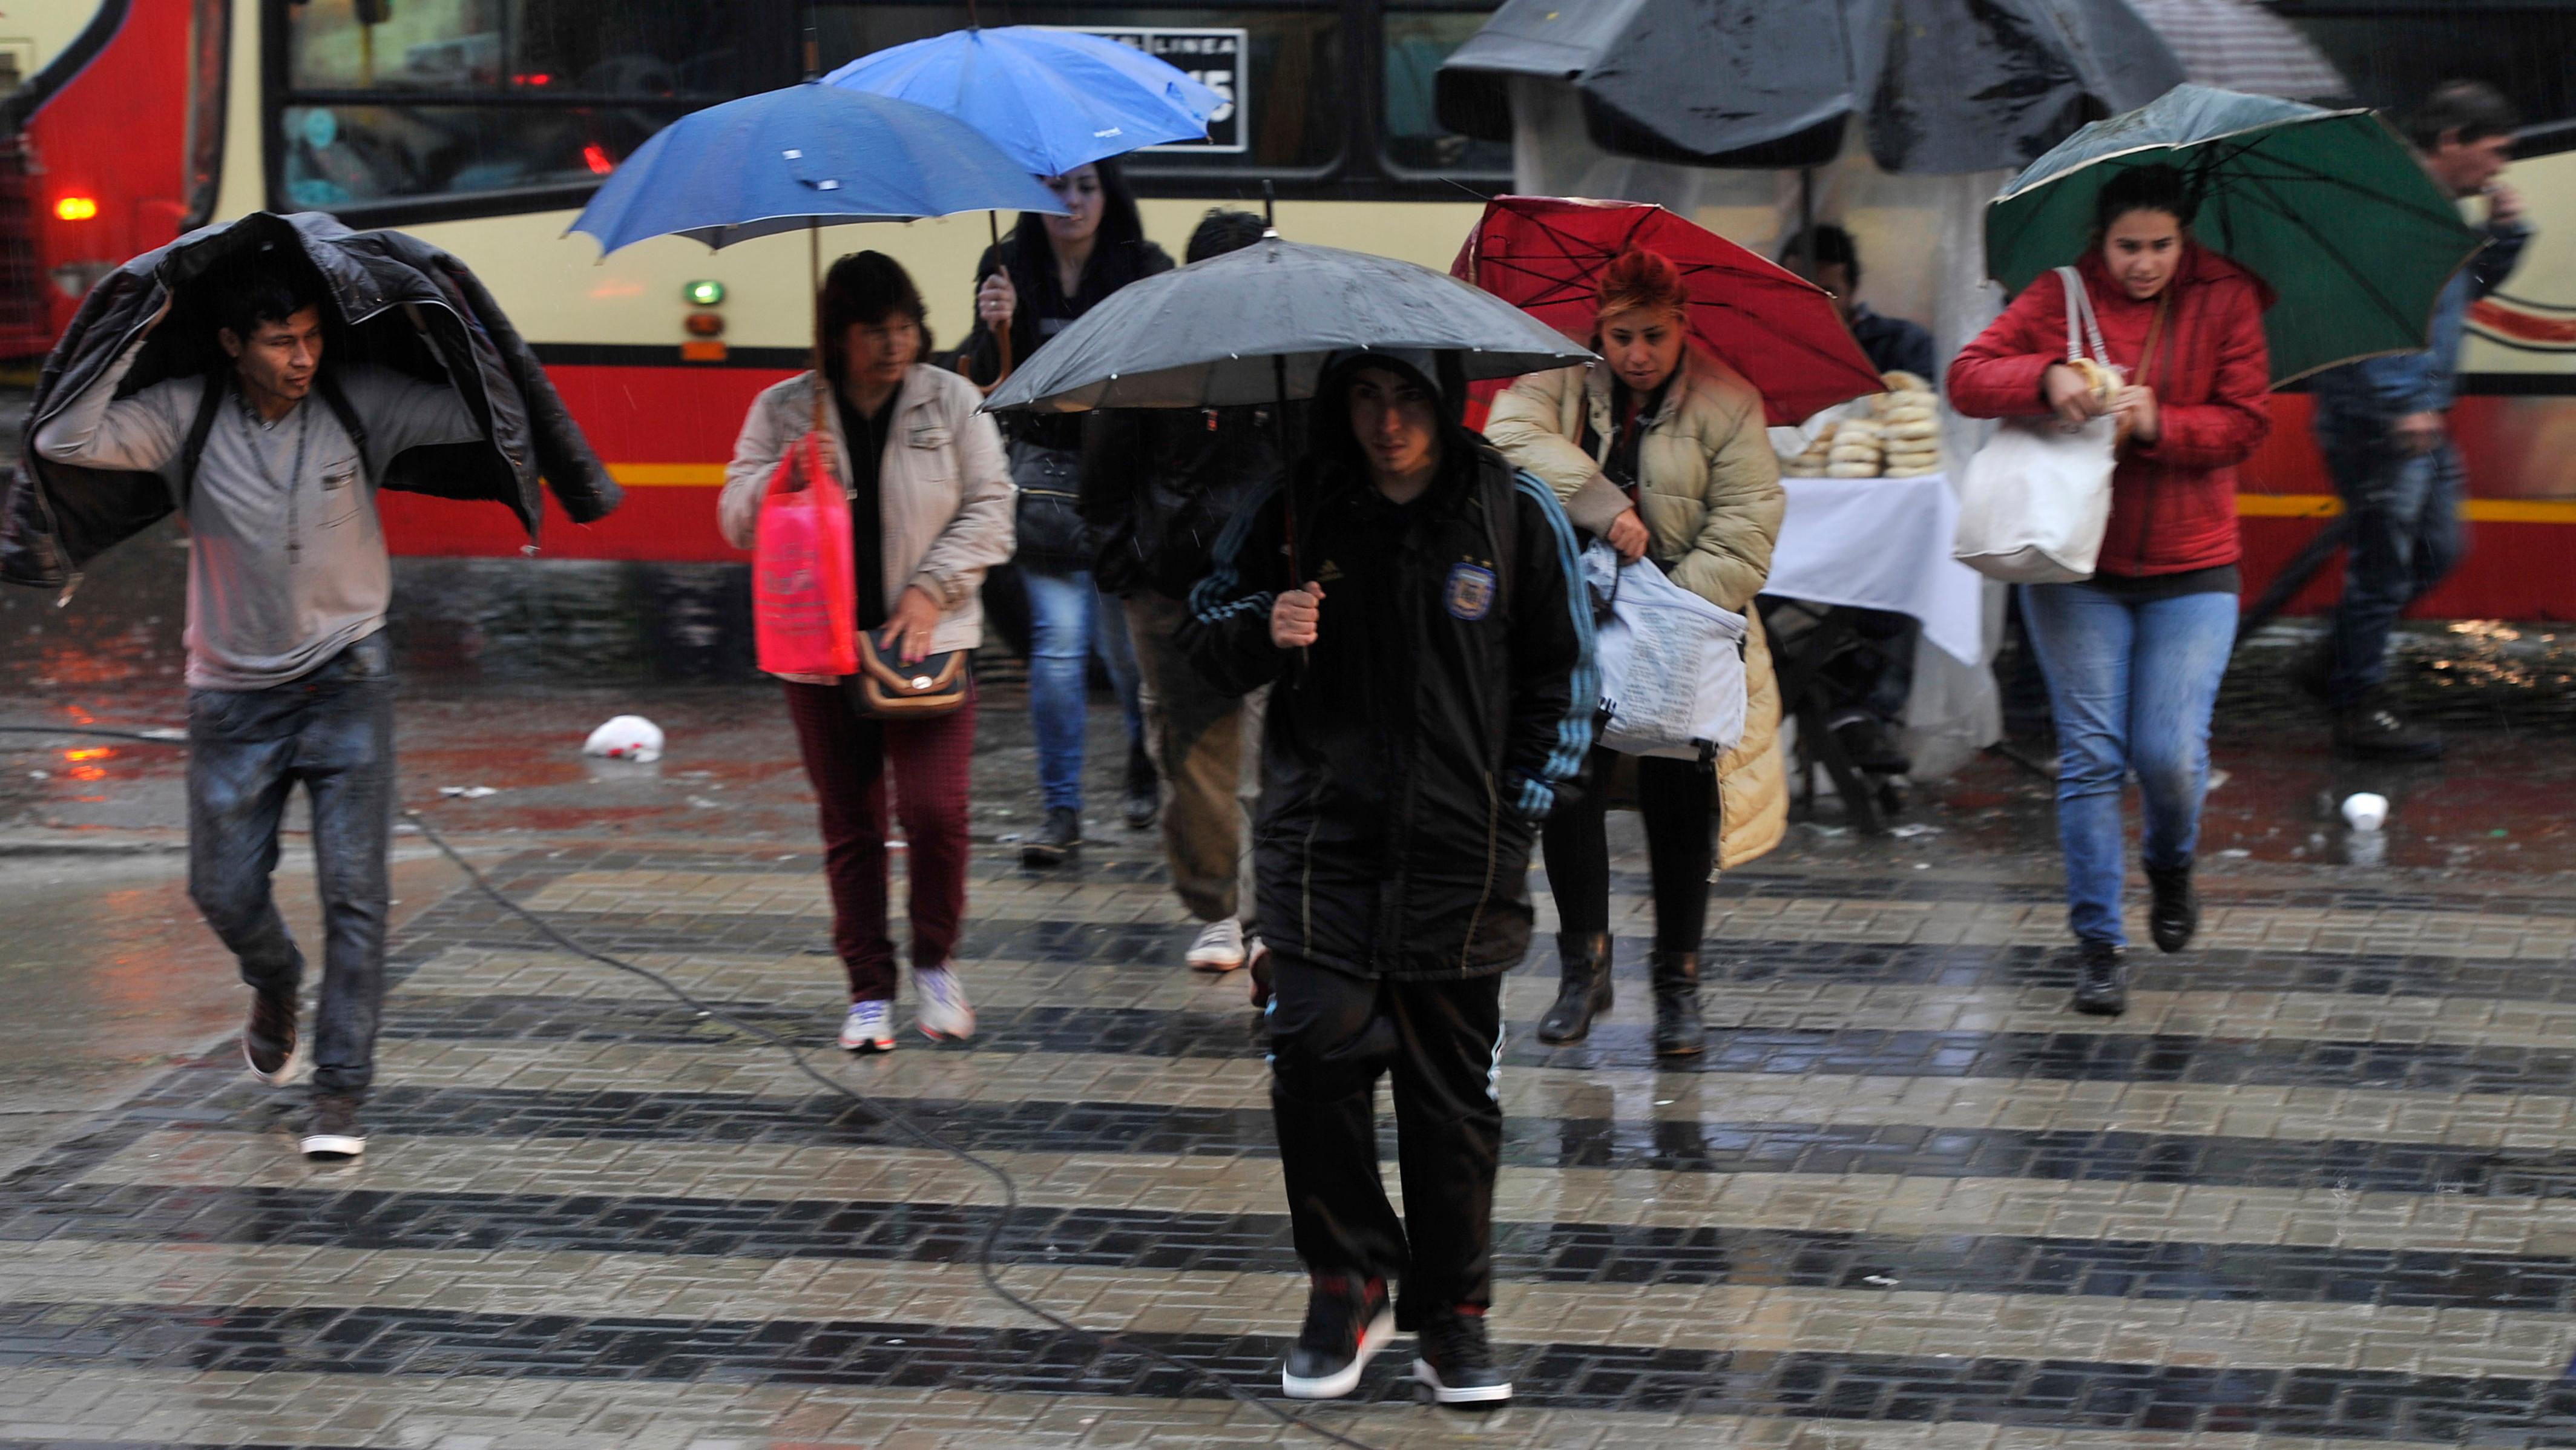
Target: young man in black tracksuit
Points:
(1431, 658)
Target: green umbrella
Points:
(2329, 207)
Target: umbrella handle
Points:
(966, 365)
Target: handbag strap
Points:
(2079, 312)
(2155, 334)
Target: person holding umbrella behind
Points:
(1659, 449)
(930, 511)
(1412, 601)
(2134, 655)
(1049, 271)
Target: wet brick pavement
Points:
(2319, 1187)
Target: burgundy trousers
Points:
(850, 760)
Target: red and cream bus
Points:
(482, 125)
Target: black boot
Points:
(1144, 789)
(2374, 731)
(2175, 916)
(1583, 987)
(2101, 980)
(1678, 1029)
(1058, 841)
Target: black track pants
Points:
(1331, 1037)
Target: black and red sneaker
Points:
(1456, 1363)
(1348, 1320)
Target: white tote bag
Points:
(2035, 499)
(1672, 664)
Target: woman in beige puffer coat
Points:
(1660, 450)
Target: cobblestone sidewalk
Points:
(2320, 1186)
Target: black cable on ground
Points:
(984, 1250)
(164, 737)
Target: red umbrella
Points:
(1543, 254)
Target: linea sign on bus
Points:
(1212, 56)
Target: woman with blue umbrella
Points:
(1064, 104)
(922, 470)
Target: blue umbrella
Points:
(808, 155)
(1052, 99)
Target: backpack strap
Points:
(328, 385)
(219, 382)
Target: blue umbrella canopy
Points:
(1051, 99)
(1257, 325)
(805, 155)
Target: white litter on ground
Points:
(628, 737)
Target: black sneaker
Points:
(2101, 980)
(268, 1039)
(1348, 1321)
(2373, 731)
(335, 1135)
(1056, 842)
(2175, 915)
(1457, 1364)
(1144, 791)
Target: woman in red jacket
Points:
(2134, 655)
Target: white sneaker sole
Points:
(951, 1031)
(333, 1145)
(285, 1074)
(1468, 1395)
(1215, 964)
(1334, 1386)
(867, 1044)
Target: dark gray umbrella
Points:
(1944, 86)
(1256, 325)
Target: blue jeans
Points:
(332, 730)
(1068, 620)
(2406, 537)
(2132, 685)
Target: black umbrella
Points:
(1256, 326)
(1943, 86)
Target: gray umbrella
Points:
(1256, 325)
(1944, 86)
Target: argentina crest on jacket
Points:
(1470, 592)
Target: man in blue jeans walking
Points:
(2383, 424)
(290, 679)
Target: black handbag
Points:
(1052, 532)
(885, 688)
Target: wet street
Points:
(2316, 1186)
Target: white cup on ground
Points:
(2364, 811)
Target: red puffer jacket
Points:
(2173, 501)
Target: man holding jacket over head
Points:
(1418, 617)
(274, 456)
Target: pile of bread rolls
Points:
(1909, 425)
(1899, 438)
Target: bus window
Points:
(449, 98)
(1415, 41)
(1280, 66)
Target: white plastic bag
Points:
(627, 737)
(2035, 499)
(1672, 664)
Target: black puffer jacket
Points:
(1161, 484)
(1044, 309)
(385, 291)
(1409, 756)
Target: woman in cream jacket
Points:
(930, 511)
(1660, 450)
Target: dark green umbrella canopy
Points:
(2330, 208)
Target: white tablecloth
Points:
(1881, 543)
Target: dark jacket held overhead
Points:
(391, 299)
(1410, 753)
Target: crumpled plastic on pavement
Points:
(627, 737)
